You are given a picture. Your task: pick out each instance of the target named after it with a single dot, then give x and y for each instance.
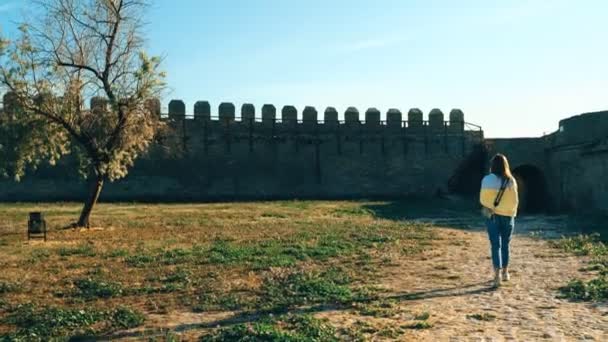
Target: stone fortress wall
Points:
(272, 156)
(246, 154)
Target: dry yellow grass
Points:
(159, 259)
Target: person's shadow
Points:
(471, 289)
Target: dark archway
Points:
(532, 186)
(466, 179)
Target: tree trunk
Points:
(85, 215)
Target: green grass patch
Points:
(7, 287)
(331, 287)
(51, 323)
(592, 290)
(82, 250)
(288, 328)
(384, 309)
(589, 245)
(582, 245)
(90, 289)
(352, 211)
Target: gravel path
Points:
(452, 282)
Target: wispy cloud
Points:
(373, 43)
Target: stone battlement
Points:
(309, 116)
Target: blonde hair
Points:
(500, 166)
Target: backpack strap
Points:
(501, 192)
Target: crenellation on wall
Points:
(330, 116)
(225, 157)
(351, 116)
(226, 112)
(10, 103)
(456, 120)
(289, 116)
(372, 117)
(177, 109)
(310, 117)
(202, 110)
(247, 112)
(394, 118)
(436, 121)
(415, 118)
(269, 114)
(98, 104)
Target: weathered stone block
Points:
(10, 103)
(436, 119)
(99, 104)
(372, 117)
(202, 110)
(289, 115)
(269, 114)
(351, 115)
(414, 118)
(330, 117)
(247, 112)
(394, 118)
(309, 115)
(456, 119)
(177, 109)
(226, 111)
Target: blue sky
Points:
(514, 67)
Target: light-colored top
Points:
(490, 185)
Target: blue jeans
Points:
(500, 229)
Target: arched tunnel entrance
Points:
(532, 187)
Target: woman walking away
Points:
(499, 200)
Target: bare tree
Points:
(78, 51)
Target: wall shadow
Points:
(453, 212)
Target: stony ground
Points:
(452, 283)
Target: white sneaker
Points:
(506, 276)
(497, 279)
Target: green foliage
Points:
(281, 291)
(90, 289)
(210, 301)
(50, 72)
(125, 318)
(288, 328)
(592, 290)
(48, 323)
(582, 245)
(7, 287)
(38, 324)
(118, 253)
(382, 308)
(595, 289)
(82, 250)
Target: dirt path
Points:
(451, 282)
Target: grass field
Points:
(275, 261)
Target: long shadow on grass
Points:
(254, 316)
(461, 213)
(464, 290)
